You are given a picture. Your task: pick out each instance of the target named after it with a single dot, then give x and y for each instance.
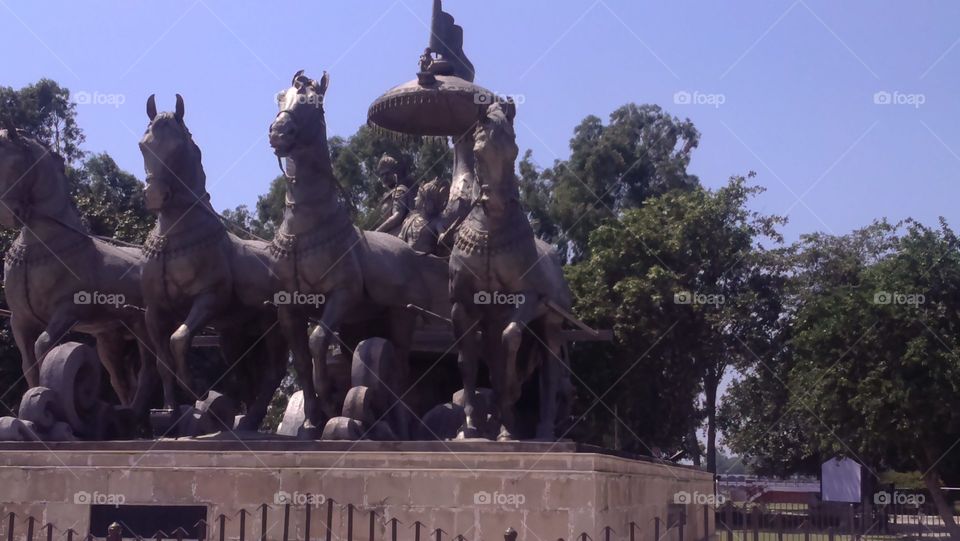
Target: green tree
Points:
(642, 152)
(111, 200)
(685, 286)
(44, 111)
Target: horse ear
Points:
(324, 84)
(152, 107)
(295, 77)
(179, 112)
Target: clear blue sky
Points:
(797, 80)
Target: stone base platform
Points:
(545, 491)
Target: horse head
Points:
(27, 168)
(172, 160)
(300, 125)
(495, 149)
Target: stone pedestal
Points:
(546, 491)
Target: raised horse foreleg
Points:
(203, 310)
(334, 308)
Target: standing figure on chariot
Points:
(397, 203)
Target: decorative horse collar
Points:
(181, 243)
(475, 240)
(44, 253)
(285, 246)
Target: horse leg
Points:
(402, 325)
(269, 376)
(334, 307)
(64, 318)
(203, 310)
(159, 326)
(294, 327)
(147, 377)
(512, 335)
(551, 376)
(112, 348)
(25, 334)
(465, 333)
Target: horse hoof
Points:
(309, 431)
(468, 433)
(505, 435)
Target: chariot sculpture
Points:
(454, 259)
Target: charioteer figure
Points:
(397, 203)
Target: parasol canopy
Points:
(441, 105)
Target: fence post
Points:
(779, 527)
(683, 521)
(306, 520)
(243, 525)
(286, 522)
(373, 518)
(633, 534)
(329, 519)
(349, 522)
(30, 521)
(223, 526)
(830, 533)
(263, 522)
(756, 523)
(656, 528)
(10, 527)
(49, 532)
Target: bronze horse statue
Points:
(197, 274)
(360, 275)
(58, 278)
(509, 286)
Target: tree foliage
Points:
(683, 284)
(642, 152)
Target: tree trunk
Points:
(710, 384)
(932, 482)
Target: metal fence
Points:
(317, 521)
(827, 522)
